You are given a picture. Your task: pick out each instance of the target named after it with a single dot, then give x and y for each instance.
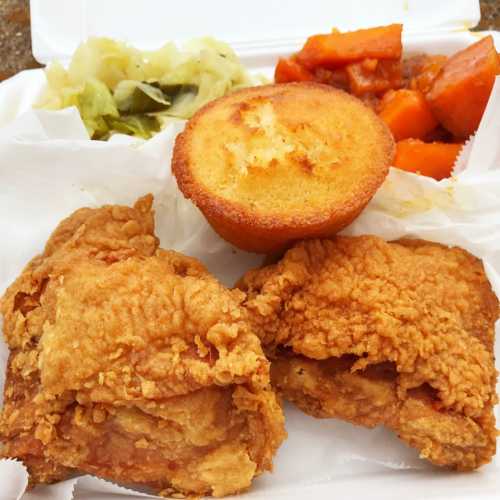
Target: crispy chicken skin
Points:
(399, 334)
(133, 363)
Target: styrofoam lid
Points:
(59, 27)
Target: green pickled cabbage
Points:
(96, 103)
(142, 126)
(138, 97)
(120, 89)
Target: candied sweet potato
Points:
(435, 159)
(423, 73)
(407, 114)
(335, 77)
(289, 70)
(374, 76)
(337, 49)
(371, 100)
(413, 65)
(460, 93)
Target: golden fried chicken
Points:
(133, 363)
(399, 334)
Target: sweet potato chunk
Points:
(460, 93)
(335, 77)
(435, 159)
(337, 49)
(289, 70)
(423, 70)
(373, 76)
(407, 114)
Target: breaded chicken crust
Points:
(133, 363)
(399, 334)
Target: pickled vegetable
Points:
(139, 97)
(96, 104)
(118, 88)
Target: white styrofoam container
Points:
(249, 26)
(259, 31)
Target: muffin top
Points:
(288, 154)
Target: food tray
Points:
(320, 458)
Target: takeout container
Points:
(259, 31)
(49, 167)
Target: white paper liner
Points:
(17, 475)
(463, 157)
(48, 168)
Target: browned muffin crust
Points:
(292, 132)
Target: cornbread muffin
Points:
(272, 164)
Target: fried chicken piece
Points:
(399, 334)
(134, 364)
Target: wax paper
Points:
(49, 167)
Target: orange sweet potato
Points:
(435, 159)
(335, 77)
(460, 93)
(413, 65)
(337, 49)
(427, 73)
(371, 100)
(374, 76)
(407, 114)
(289, 70)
